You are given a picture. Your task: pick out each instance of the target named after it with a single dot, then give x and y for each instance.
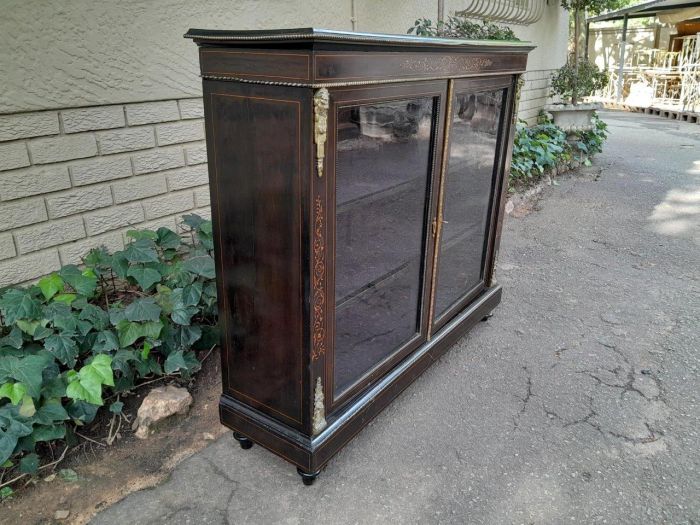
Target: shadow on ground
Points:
(577, 402)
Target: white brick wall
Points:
(534, 94)
(77, 178)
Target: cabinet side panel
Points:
(256, 177)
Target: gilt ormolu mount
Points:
(357, 186)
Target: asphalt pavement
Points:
(577, 402)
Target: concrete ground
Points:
(576, 403)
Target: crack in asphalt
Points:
(525, 400)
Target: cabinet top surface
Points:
(312, 35)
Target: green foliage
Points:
(545, 146)
(536, 149)
(595, 7)
(84, 334)
(578, 79)
(461, 27)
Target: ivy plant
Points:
(86, 333)
(461, 27)
(539, 148)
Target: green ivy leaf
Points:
(116, 407)
(164, 298)
(83, 282)
(64, 347)
(90, 392)
(51, 285)
(142, 234)
(26, 407)
(192, 293)
(26, 370)
(202, 265)
(192, 220)
(28, 327)
(50, 413)
(98, 257)
(81, 412)
(120, 264)
(29, 464)
(66, 298)
(175, 362)
(106, 341)
(13, 339)
(146, 350)
(182, 314)
(144, 309)
(54, 388)
(129, 332)
(65, 323)
(42, 332)
(145, 277)
(48, 432)
(168, 239)
(15, 392)
(19, 304)
(141, 251)
(99, 369)
(12, 428)
(86, 385)
(94, 315)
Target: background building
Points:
(101, 123)
(652, 54)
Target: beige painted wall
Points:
(91, 52)
(101, 119)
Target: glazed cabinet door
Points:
(470, 181)
(383, 157)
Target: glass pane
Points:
(476, 120)
(383, 163)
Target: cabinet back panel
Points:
(257, 180)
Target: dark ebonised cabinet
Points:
(357, 186)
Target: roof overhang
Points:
(645, 10)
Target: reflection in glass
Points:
(383, 163)
(468, 186)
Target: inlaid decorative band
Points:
(439, 64)
(319, 283)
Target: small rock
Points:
(510, 206)
(50, 478)
(610, 318)
(61, 514)
(208, 436)
(159, 404)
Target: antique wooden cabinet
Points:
(357, 185)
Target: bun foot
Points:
(243, 441)
(308, 478)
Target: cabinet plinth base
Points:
(310, 454)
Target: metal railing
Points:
(521, 12)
